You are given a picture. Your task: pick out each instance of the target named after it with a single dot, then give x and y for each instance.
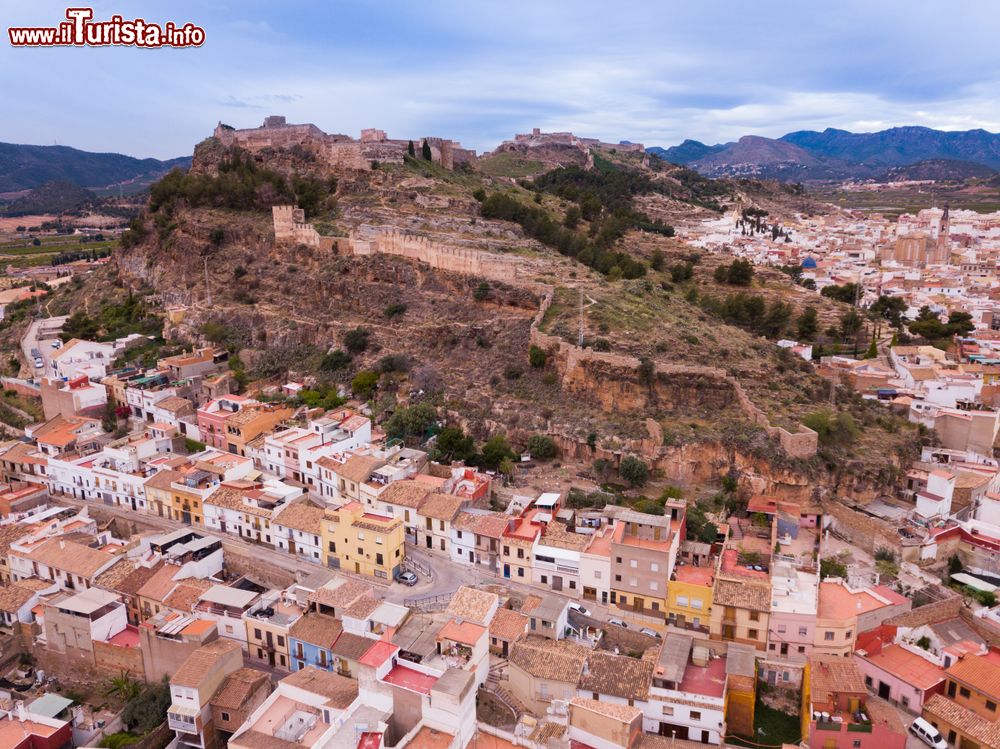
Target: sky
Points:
(479, 71)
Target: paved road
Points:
(40, 335)
(446, 576)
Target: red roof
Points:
(378, 654)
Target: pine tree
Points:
(410, 150)
(425, 151)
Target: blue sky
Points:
(475, 71)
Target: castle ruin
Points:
(339, 151)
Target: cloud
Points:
(643, 71)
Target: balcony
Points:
(184, 719)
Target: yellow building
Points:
(689, 597)
(966, 714)
(250, 422)
(362, 542)
(740, 611)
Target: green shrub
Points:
(541, 446)
(364, 383)
(633, 470)
(536, 357)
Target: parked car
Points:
(56, 344)
(406, 577)
(39, 363)
(581, 610)
(650, 632)
(928, 734)
(613, 622)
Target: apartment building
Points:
(362, 542)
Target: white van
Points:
(928, 734)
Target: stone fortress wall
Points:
(339, 151)
(612, 380)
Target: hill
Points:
(939, 170)
(832, 154)
(454, 276)
(52, 197)
(25, 167)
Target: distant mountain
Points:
(52, 197)
(940, 169)
(900, 146)
(686, 152)
(839, 154)
(26, 167)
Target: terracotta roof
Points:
(173, 403)
(558, 536)
(440, 506)
(124, 577)
(742, 594)
(623, 713)
(13, 597)
(978, 672)
(163, 479)
(232, 498)
(829, 675)
(405, 493)
(969, 723)
(617, 675)
(508, 625)
(317, 629)
(344, 593)
(186, 594)
(351, 646)
(238, 688)
(361, 608)
(71, 556)
(301, 516)
(159, 585)
(557, 660)
(471, 604)
(340, 691)
(8, 535)
(358, 468)
(202, 662)
(489, 524)
(258, 740)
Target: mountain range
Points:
(25, 167)
(839, 154)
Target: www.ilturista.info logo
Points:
(80, 30)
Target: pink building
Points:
(212, 419)
(895, 672)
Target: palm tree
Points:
(123, 686)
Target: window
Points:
(458, 534)
(655, 606)
(781, 629)
(755, 616)
(856, 744)
(963, 692)
(803, 631)
(848, 635)
(695, 715)
(667, 710)
(378, 540)
(828, 636)
(632, 581)
(752, 634)
(520, 571)
(991, 706)
(618, 578)
(618, 560)
(653, 585)
(256, 634)
(225, 717)
(682, 601)
(281, 641)
(378, 559)
(572, 584)
(654, 567)
(696, 604)
(545, 579)
(633, 563)
(333, 547)
(802, 648)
